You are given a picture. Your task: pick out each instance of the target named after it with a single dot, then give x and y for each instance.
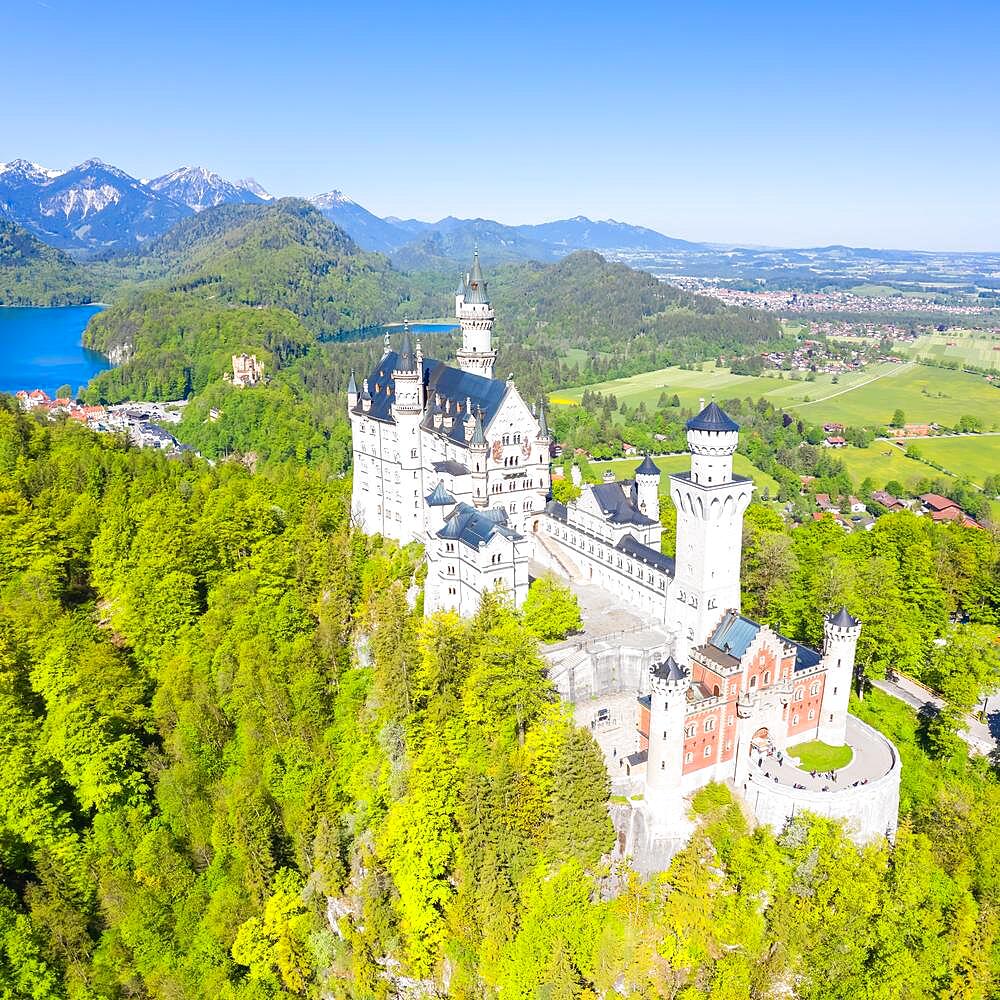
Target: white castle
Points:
(456, 460)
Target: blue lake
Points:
(42, 349)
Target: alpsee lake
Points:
(42, 349)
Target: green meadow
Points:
(624, 468)
(974, 456)
(924, 394)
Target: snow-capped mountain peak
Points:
(249, 184)
(27, 170)
(331, 199)
(199, 188)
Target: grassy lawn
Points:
(883, 461)
(624, 468)
(975, 457)
(867, 397)
(817, 756)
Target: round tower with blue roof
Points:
(840, 644)
(710, 502)
(669, 682)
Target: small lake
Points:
(42, 349)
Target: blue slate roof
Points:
(617, 507)
(805, 657)
(648, 468)
(843, 619)
(439, 496)
(450, 383)
(475, 527)
(734, 634)
(631, 546)
(712, 418)
(669, 670)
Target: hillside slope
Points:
(34, 274)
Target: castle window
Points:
(812, 714)
(663, 765)
(709, 725)
(708, 750)
(688, 757)
(795, 720)
(715, 690)
(753, 682)
(767, 676)
(689, 732)
(815, 688)
(799, 694)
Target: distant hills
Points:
(96, 210)
(417, 245)
(34, 273)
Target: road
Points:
(975, 733)
(859, 385)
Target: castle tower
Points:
(407, 410)
(840, 643)
(352, 392)
(710, 504)
(476, 316)
(647, 482)
(478, 458)
(669, 683)
(459, 297)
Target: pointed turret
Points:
(352, 392)
(478, 439)
(476, 317)
(647, 487)
(407, 359)
(543, 424)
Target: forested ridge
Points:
(34, 274)
(238, 763)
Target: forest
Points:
(239, 763)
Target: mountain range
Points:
(95, 207)
(98, 209)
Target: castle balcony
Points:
(864, 793)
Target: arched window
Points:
(715, 690)
(753, 682)
(767, 676)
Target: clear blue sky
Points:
(785, 123)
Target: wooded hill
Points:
(35, 274)
(238, 764)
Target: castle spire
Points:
(543, 424)
(476, 316)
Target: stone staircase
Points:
(555, 557)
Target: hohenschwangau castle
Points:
(691, 691)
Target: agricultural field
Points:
(871, 396)
(624, 468)
(924, 394)
(965, 347)
(974, 456)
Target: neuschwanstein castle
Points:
(693, 692)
